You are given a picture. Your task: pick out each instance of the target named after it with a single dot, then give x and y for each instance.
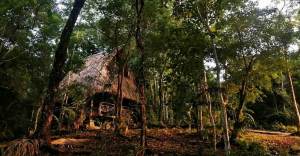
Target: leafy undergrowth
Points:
(273, 143)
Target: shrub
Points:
(245, 148)
(283, 128)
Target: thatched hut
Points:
(99, 78)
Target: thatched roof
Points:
(99, 74)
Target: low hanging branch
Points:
(57, 73)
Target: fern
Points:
(248, 120)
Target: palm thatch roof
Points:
(99, 74)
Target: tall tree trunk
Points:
(121, 61)
(294, 98)
(211, 116)
(282, 83)
(205, 22)
(189, 114)
(167, 114)
(161, 101)
(199, 109)
(289, 75)
(200, 118)
(57, 74)
(223, 105)
(237, 124)
(90, 113)
(139, 4)
(155, 96)
(119, 103)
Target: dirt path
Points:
(269, 132)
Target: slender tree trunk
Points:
(189, 114)
(118, 105)
(161, 101)
(91, 113)
(119, 100)
(282, 88)
(155, 96)
(205, 22)
(152, 91)
(289, 75)
(167, 114)
(139, 4)
(201, 118)
(282, 83)
(57, 74)
(223, 105)
(199, 109)
(198, 122)
(294, 98)
(211, 116)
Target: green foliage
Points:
(69, 115)
(249, 148)
(27, 38)
(76, 92)
(15, 115)
(248, 119)
(283, 128)
(152, 117)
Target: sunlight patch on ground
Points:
(276, 141)
(62, 141)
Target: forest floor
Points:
(168, 141)
(159, 141)
(172, 141)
